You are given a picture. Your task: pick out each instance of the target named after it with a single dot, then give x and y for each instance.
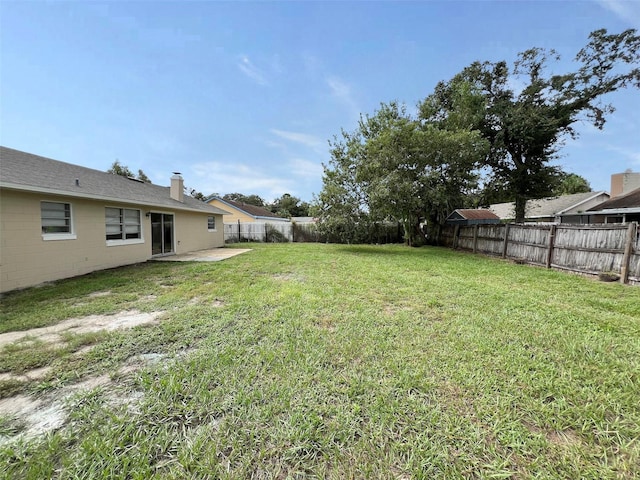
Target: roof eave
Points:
(609, 211)
(596, 194)
(89, 196)
(279, 219)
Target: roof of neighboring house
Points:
(476, 214)
(33, 173)
(252, 210)
(545, 207)
(628, 200)
(304, 219)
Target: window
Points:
(211, 223)
(123, 224)
(56, 221)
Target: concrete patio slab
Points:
(212, 255)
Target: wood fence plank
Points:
(631, 235)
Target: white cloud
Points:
(627, 10)
(305, 168)
(250, 70)
(342, 92)
(302, 138)
(631, 155)
(223, 177)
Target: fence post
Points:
(456, 234)
(507, 227)
(552, 237)
(239, 237)
(626, 258)
(475, 237)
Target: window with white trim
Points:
(211, 223)
(122, 224)
(56, 221)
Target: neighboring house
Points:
(59, 220)
(621, 209)
(468, 216)
(304, 220)
(565, 208)
(244, 212)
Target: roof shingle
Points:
(628, 200)
(28, 172)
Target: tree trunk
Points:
(520, 207)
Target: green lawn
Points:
(328, 361)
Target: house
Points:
(59, 220)
(565, 208)
(243, 212)
(471, 216)
(304, 220)
(623, 208)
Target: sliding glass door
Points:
(161, 233)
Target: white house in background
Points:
(60, 220)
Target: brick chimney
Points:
(177, 187)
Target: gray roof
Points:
(32, 173)
(626, 201)
(545, 207)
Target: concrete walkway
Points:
(212, 255)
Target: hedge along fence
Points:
(590, 249)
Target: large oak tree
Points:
(525, 126)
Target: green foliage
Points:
(274, 235)
(118, 169)
(525, 128)
(570, 183)
(288, 206)
(395, 168)
(143, 177)
(248, 199)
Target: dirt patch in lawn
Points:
(36, 416)
(92, 323)
(31, 416)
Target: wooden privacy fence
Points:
(590, 249)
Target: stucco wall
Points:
(192, 233)
(27, 259)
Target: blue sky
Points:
(244, 96)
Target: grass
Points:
(326, 361)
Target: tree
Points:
(394, 167)
(195, 194)
(569, 183)
(289, 206)
(525, 129)
(143, 177)
(248, 199)
(118, 169)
